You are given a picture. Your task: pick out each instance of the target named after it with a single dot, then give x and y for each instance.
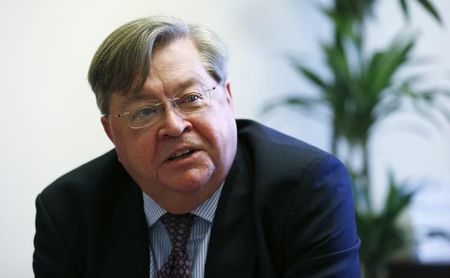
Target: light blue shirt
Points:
(198, 240)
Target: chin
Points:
(190, 182)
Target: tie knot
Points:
(178, 226)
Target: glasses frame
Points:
(174, 106)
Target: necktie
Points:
(178, 264)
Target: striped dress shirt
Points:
(197, 246)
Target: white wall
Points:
(50, 123)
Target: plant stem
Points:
(365, 173)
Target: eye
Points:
(190, 98)
(143, 113)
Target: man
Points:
(188, 189)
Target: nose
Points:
(173, 124)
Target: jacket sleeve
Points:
(321, 239)
(51, 258)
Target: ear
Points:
(107, 127)
(229, 93)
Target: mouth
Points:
(181, 154)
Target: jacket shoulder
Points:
(281, 165)
(95, 180)
(270, 143)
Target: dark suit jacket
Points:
(285, 211)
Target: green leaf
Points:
(312, 77)
(385, 64)
(398, 198)
(404, 8)
(337, 60)
(376, 228)
(293, 101)
(431, 9)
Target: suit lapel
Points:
(233, 226)
(123, 248)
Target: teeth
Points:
(178, 154)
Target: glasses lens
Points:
(192, 100)
(143, 115)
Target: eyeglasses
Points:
(144, 113)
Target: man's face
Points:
(208, 137)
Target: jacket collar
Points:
(123, 245)
(233, 226)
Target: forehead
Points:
(174, 81)
(175, 60)
(176, 64)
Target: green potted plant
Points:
(360, 89)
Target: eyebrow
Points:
(186, 84)
(142, 96)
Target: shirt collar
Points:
(205, 211)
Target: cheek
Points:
(220, 136)
(136, 150)
(143, 147)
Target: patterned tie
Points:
(178, 227)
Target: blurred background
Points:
(50, 122)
